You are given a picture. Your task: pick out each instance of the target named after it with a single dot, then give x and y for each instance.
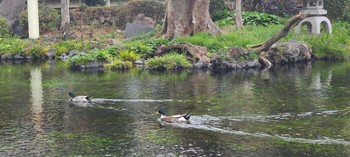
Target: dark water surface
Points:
(299, 110)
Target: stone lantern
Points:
(317, 20)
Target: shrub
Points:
(128, 56)
(250, 18)
(92, 56)
(4, 30)
(49, 19)
(38, 51)
(118, 15)
(95, 2)
(338, 9)
(139, 47)
(218, 9)
(335, 45)
(117, 64)
(66, 46)
(170, 61)
(256, 18)
(11, 46)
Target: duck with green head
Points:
(80, 99)
(174, 118)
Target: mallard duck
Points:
(174, 118)
(80, 99)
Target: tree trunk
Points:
(65, 13)
(239, 19)
(188, 17)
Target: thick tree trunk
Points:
(239, 19)
(65, 13)
(187, 17)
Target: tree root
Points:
(196, 52)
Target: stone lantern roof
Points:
(313, 7)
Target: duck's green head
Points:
(161, 111)
(71, 94)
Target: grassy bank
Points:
(125, 52)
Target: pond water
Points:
(297, 110)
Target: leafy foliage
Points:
(338, 9)
(118, 64)
(4, 31)
(128, 56)
(217, 10)
(119, 15)
(66, 46)
(146, 46)
(11, 46)
(336, 45)
(49, 19)
(250, 18)
(256, 18)
(95, 2)
(171, 61)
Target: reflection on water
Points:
(37, 100)
(296, 110)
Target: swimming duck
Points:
(174, 118)
(79, 98)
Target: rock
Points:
(140, 62)
(200, 65)
(143, 20)
(250, 64)
(18, 57)
(289, 52)
(90, 65)
(51, 54)
(73, 53)
(133, 29)
(10, 9)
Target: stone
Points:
(133, 29)
(10, 9)
(200, 65)
(143, 20)
(51, 53)
(18, 57)
(289, 52)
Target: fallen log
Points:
(295, 20)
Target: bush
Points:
(217, 9)
(128, 56)
(4, 30)
(10, 46)
(66, 46)
(172, 61)
(251, 18)
(338, 9)
(256, 18)
(49, 19)
(331, 46)
(118, 15)
(117, 64)
(38, 51)
(95, 2)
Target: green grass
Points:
(171, 61)
(330, 46)
(246, 37)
